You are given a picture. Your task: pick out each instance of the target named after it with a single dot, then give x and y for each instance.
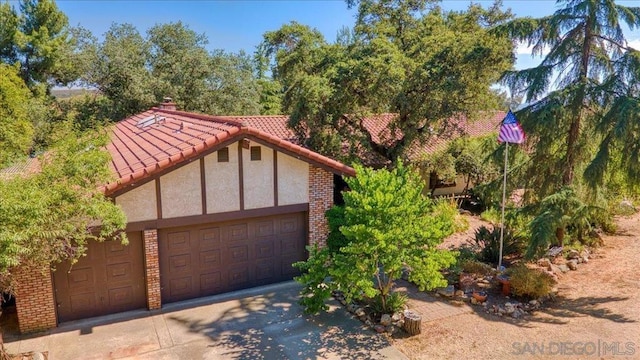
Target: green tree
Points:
(424, 65)
(389, 226)
(16, 129)
(121, 71)
(582, 94)
(49, 216)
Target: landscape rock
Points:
(360, 312)
(449, 291)
(459, 293)
(544, 263)
(385, 320)
(555, 269)
(572, 264)
(352, 308)
(626, 208)
(573, 254)
(564, 268)
(396, 317)
(379, 329)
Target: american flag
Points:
(510, 130)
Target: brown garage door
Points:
(210, 259)
(108, 280)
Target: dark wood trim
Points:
(158, 199)
(219, 217)
(203, 186)
(241, 177)
(275, 177)
(295, 155)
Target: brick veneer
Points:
(35, 304)
(320, 200)
(152, 269)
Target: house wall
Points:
(35, 304)
(181, 192)
(222, 179)
(181, 195)
(293, 180)
(258, 179)
(320, 200)
(449, 190)
(140, 203)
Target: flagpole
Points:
(504, 196)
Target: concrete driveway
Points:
(260, 323)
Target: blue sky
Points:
(239, 25)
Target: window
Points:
(223, 155)
(256, 153)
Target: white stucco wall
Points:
(222, 180)
(258, 179)
(180, 190)
(140, 203)
(293, 180)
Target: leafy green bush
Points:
(491, 215)
(488, 241)
(336, 219)
(316, 288)
(395, 303)
(532, 283)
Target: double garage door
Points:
(195, 261)
(215, 258)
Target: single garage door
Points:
(109, 279)
(215, 258)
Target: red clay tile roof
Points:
(172, 137)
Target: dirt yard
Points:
(596, 314)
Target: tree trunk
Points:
(560, 235)
(412, 322)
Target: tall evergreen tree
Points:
(584, 92)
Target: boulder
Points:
(385, 320)
(572, 265)
(449, 291)
(564, 268)
(573, 254)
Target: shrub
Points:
(476, 267)
(491, 215)
(532, 283)
(395, 303)
(335, 219)
(488, 241)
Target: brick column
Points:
(35, 303)
(320, 200)
(152, 269)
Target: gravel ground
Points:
(595, 315)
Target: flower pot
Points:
(480, 296)
(506, 285)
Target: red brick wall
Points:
(35, 304)
(152, 269)
(320, 200)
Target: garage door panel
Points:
(181, 286)
(109, 279)
(119, 272)
(290, 247)
(210, 260)
(115, 250)
(287, 268)
(179, 241)
(121, 296)
(210, 238)
(82, 303)
(81, 280)
(265, 248)
(238, 232)
(230, 255)
(211, 282)
(265, 270)
(238, 277)
(180, 263)
(265, 228)
(238, 254)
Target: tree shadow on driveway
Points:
(272, 326)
